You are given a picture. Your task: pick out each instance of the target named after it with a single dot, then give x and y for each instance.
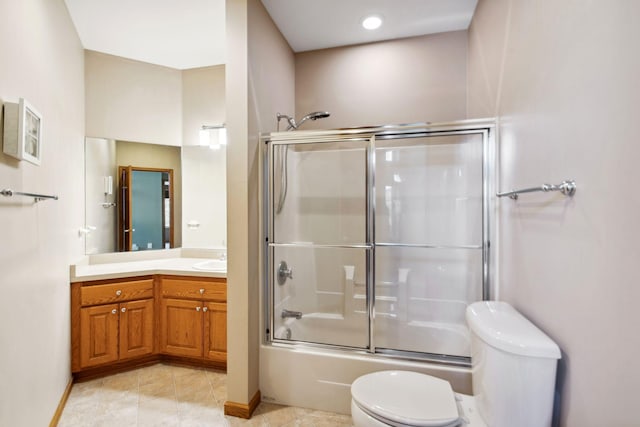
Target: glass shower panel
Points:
(319, 242)
(320, 296)
(319, 193)
(421, 298)
(428, 241)
(429, 190)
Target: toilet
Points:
(513, 376)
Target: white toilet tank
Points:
(513, 366)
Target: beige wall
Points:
(161, 157)
(259, 83)
(418, 79)
(563, 78)
(271, 89)
(131, 100)
(204, 197)
(203, 101)
(42, 61)
(204, 172)
(241, 384)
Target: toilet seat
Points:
(403, 398)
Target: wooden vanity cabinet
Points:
(193, 318)
(136, 328)
(181, 327)
(112, 321)
(215, 331)
(121, 323)
(98, 335)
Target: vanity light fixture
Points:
(372, 22)
(213, 136)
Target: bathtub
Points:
(295, 373)
(325, 328)
(320, 379)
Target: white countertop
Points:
(172, 261)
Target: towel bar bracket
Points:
(36, 197)
(567, 187)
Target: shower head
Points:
(316, 115)
(311, 116)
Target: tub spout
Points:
(288, 313)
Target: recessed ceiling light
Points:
(372, 22)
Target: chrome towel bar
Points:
(567, 187)
(37, 197)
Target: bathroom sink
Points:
(211, 265)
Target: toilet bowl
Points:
(514, 369)
(403, 398)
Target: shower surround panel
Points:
(385, 235)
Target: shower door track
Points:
(484, 127)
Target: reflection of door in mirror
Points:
(145, 216)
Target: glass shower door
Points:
(429, 241)
(318, 242)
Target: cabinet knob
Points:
(118, 292)
(123, 309)
(197, 308)
(114, 311)
(205, 309)
(202, 291)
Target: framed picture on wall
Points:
(22, 131)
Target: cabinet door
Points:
(215, 331)
(181, 327)
(136, 328)
(98, 335)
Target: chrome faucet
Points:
(284, 272)
(288, 313)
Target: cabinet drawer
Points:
(195, 289)
(114, 292)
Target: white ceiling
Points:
(191, 33)
(319, 24)
(179, 34)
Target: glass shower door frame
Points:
(487, 165)
(271, 244)
(485, 128)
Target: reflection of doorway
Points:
(145, 217)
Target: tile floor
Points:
(166, 395)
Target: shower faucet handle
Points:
(284, 272)
(287, 272)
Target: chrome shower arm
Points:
(290, 120)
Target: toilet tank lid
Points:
(502, 327)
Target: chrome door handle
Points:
(114, 311)
(118, 292)
(197, 308)
(205, 309)
(202, 291)
(123, 309)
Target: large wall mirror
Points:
(142, 196)
(151, 117)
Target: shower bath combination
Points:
(385, 234)
(387, 229)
